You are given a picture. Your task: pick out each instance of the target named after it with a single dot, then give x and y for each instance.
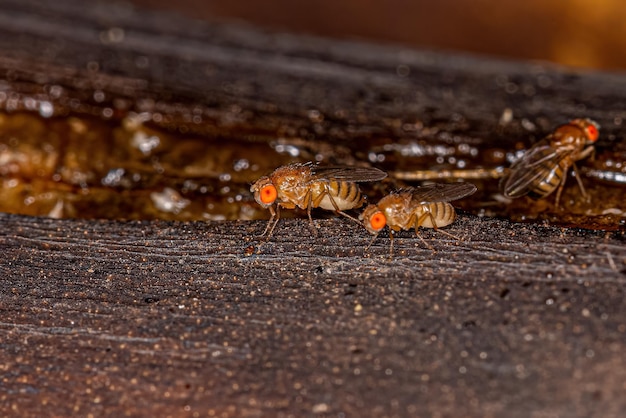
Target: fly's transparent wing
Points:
(439, 192)
(536, 165)
(351, 174)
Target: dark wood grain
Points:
(174, 319)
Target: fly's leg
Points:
(352, 218)
(417, 222)
(390, 243)
(434, 223)
(441, 231)
(580, 182)
(271, 224)
(371, 242)
(269, 228)
(309, 199)
(325, 193)
(590, 150)
(559, 190)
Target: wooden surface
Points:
(283, 85)
(194, 319)
(159, 319)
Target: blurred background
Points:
(581, 33)
(118, 112)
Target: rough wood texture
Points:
(160, 319)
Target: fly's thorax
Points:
(570, 137)
(292, 185)
(291, 177)
(397, 209)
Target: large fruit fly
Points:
(544, 167)
(310, 186)
(426, 206)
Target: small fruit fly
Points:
(425, 206)
(543, 168)
(309, 186)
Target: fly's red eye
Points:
(592, 133)
(268, 194)
(377, 221)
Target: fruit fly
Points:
(425, 206)
(543, 168)
(309, 186)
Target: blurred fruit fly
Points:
(425, 206)
(544, 167)
(309, 186)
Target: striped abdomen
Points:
(336, 195)
(434, 215)
(549, 177)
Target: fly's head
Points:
(265, 192)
